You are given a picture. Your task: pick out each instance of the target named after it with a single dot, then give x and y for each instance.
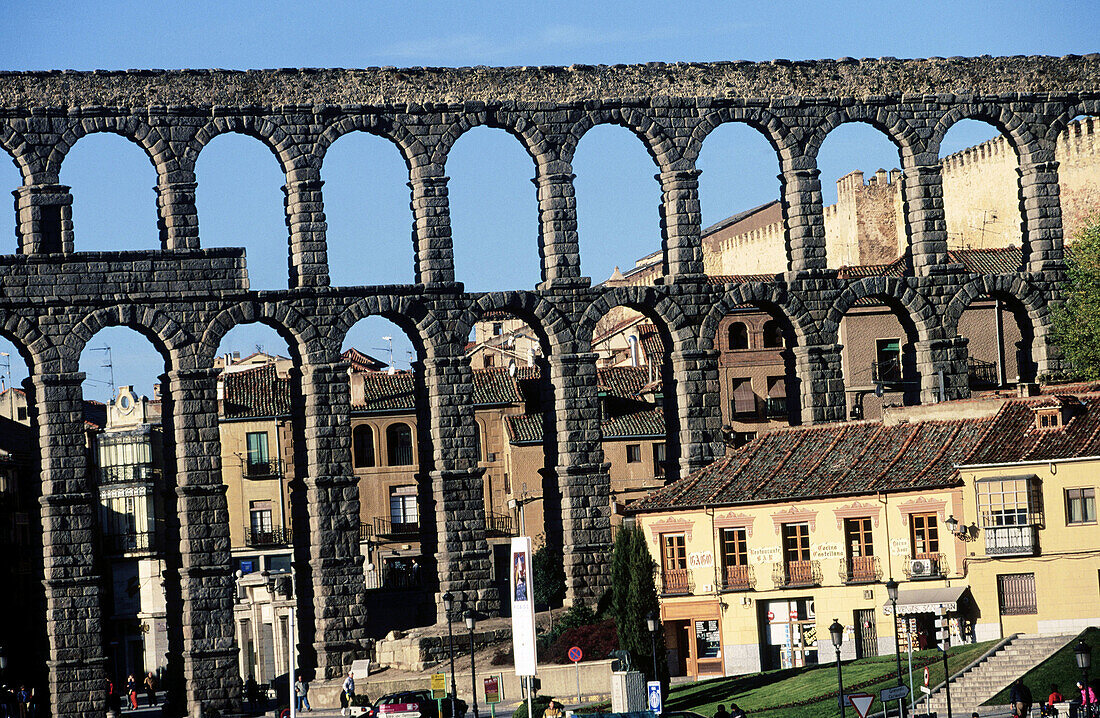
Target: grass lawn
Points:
(771, 694)
(1060, 669)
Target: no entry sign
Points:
(575, 654)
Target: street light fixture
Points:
(471, 621)
(448, 604)
(837, 632)
(892, 593)
(653, 624)
(1083, 654)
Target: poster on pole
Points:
(522, 597)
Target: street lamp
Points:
(652, 624)
(471, 620)
(448, 604)
(892, 593)
(1083, 654)
(272, 582)
(837, 632)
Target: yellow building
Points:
(990, 519)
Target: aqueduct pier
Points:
(184, 298)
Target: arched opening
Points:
(132, 471)
(391, 460)
(759, 387)
(261, 464)
(861, 195)
(1000, 342)
(1077, 150)
(21, 572)
(10, 180)
(981, 195)
(618, 206)
(738, 335)
(240, 203)
(114, 203)
(494, 212)
(367, 212)
(879, 358)
(743, 231)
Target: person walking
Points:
(1088, 700)
(347, 692)
(301, 692)
(23, 698)
(1020, 698)
(131, 691)
(721, 712)
(151, 688)
(252, 690)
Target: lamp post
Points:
(1083, 654)
(652, 624)
(272, 582)
(448, 604)
(837, 632)
(471, 620)
(892, 592)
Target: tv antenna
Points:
(388, 348)
(108, 365)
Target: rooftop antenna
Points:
(389, 341)
(107, 364)
(7, 369)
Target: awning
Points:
(929, 600)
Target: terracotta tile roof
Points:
(1014, 437)
(524, 428)
(622, 381)
(739, 278)
(833, 460)
(653, 347)
(1004, 260)
(383, 391)
(494, 386)
(637, 424)
(893, 269)
(255, 393)
(361, 362)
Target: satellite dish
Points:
(512, 368)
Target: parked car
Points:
(418, 704)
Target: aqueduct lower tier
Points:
(185, 298)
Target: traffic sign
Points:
(893, 693)
(492, 690)
(861, 702)
(439, 685)
(927, 676)
(653, 690)
(575, 654)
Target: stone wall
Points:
(60, 298)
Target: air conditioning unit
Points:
(920, 567)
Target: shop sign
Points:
(765, 554)
(702, 559)
(899, 547)
(708, 639)
(826, 551)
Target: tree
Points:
(1076, 322)
(549, 574)
(634, 599)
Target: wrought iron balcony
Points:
(981, 373)
(128, 473)
(384, 528)
(399, 575)
(676, 582)
(797, 573)
(263, 469)
(860, 569)
(275, 536)
(499, 525)
(887, 371)
(128, 542)
(738, 578)
(777, 407)
(1012, 540)
(925, 565)
(366, 531)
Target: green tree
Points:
(1076, 322)
(634, 599)
(549, 574)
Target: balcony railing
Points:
(981, 373)
(128, 473)
(860, 569)
(366, 531)
(384, 528)
(128, 542)
(797, 573)
(676, 581)
(498, 525)
(1011, 540)
(777, 407)
(395, 575)
(263, 469)
(275, 536)
(925, 565)
(886, 371)
(738, 578)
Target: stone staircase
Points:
(988, 676)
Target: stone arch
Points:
(265, 130)
(408, 313)
(302, 337)
(130, 127)
(523, 129)
(888, 122)
(167, 336)
(1013, 286)
(22, 155)
(33, 346)
(774, 131)
(668, 316)
(552, 326)
(893, 291)
(410, 147)
(1004, 119)
(660, 147)
(768, 296)
(1062, 120)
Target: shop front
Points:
(919, 611)
(790, 633)
(693, 635)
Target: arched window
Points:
(738, 336)
(399, 444)
(773, 334)
(362, 440)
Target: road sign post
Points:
(653, 691)
(575, 655)
(439, 690)
(861, 702)
(492, 694)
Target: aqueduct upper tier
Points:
(53, 297)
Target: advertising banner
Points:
(522, 597)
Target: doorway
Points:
(866, 633)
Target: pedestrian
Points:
(151, 688)
(113, 703)
(301, 692)
(553, 710)
(736, 711)
(252, 690)
(1088, 699)
(1020, 698)
(1048, 709)
(131, 691)
(347, 692)
(23, 697)
(721, 712)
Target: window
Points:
(257, 457)
(796, 542)
(633, 453)
(498, 328)
(477, 442)
(21, 413)
(363, 446)
(773, 335)
(125, 457)
(659, 459)
(403, 507)
(735, 550)
(738, 336)
(259, 513)
(744, 401)
(675, 576)
(887, 360)
(399, 445)
(777, 397)
(740, 438)
(859, 549)
(1008, 502)
(1081, 506)
(1016, 594)
(924, 536)
(490, 360)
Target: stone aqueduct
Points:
(185, 298)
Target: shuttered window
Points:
(1016, 594)
(744, 401)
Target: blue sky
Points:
(366, 201)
